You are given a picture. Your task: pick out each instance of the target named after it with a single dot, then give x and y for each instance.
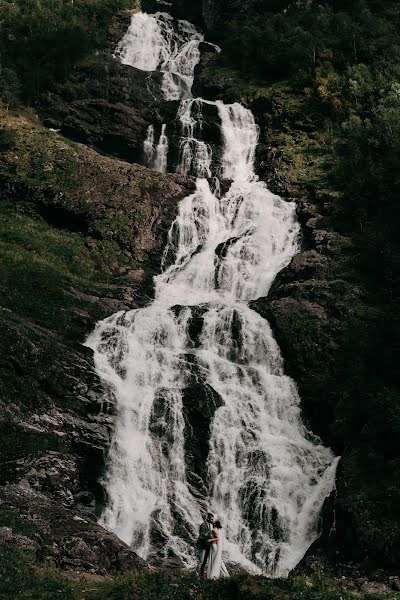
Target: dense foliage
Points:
(279, 42)
(346, 57)
(41, 40)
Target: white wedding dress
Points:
(215, 565)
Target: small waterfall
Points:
(195, 156)
(144, 44)
(149, 148)
(267, 476)
(151, 43)
(155, 157)
(240, 135)
(160, 163)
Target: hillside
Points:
(84, 227)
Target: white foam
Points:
(268, 475)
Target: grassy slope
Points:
(20, 580)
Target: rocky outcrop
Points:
(77, 189)
(322, 310)
(83, 235)
(108, 105)
(58, 536)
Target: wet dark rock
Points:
(180, 9)
(208, 130)
(195, 326)
(109, 106)
(200, 401)
(202, 86)
(61, 537)
(116, 130)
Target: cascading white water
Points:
(149, 149)
(156, 157)
(195, 156)
(160, 163)
(151, 43)
(267, 475)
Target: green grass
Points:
(20, 580)
(45, 273)
(40, 266)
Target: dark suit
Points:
(204, 534)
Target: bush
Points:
(8, 139)
(41, 41)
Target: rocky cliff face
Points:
(108, 105)
(82, 236)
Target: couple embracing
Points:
(210, 544)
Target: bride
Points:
(216, 566)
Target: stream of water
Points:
(267, 475)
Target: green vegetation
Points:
(181, 586)
(19, 521)
(299, 41)
(45, 275)
(40, 265)
(20, 580)
(323, 82)
(40, 41)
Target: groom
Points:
(202, 545)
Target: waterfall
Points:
(155, 157)
(160, 163)
(195, 156)
(149, 148)
(152, 42)
(267, 476)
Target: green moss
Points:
(17, 520)
(20, 581)
(7, 139)
(116, 227)
(40, 267)
(149, 185)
